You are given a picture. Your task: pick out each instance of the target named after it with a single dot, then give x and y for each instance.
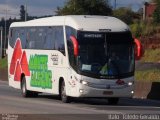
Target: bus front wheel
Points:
(26, 93)
(64, 97)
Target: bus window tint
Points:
(40, 39)
(49, 39)
(11, 40)
(15, 35)
(46, 38)
(22, 36)
(70, 32)
(32, 38)
(59, 39)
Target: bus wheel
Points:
(25, 92)
(113, 101)
(64, 97)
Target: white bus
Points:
(72, 56)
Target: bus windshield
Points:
(104, 56)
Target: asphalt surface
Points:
(146, 65)
(48, 106)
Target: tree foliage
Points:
(85, 7)
(125, 14)
(156, 14)
(22, 12)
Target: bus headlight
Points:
(132, 92)
(81, 90)
(84, 82)
(130, 83)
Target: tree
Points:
(85, 7)
(22, 12)
(125, 14)
(153, 0)
(2, 22)
(156, 14)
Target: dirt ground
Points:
(142, 89)
(146, 66)
(4, 74)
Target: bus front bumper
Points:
(86, 91)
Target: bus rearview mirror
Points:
(75, 45)
(138, 49)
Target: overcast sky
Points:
(47, 7)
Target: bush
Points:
(124, 14)
(156, 14)
(3, 63)
(151, 55)
(142, 28)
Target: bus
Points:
(74, 56)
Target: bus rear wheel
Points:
(113, 101)
(26, 93)
(64, 97)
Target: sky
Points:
(48, 7)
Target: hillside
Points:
(148, 68)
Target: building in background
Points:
(148, 10)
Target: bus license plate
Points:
(108, 93)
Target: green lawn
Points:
(148, 75)
(3, 63)
(151, 55)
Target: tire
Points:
(113, 101)
(64, 97)
(26, 93)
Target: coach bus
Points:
(72, 56)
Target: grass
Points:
(151, 55)
(152, 75)
(3, 63)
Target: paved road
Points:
(146, 65)
(12, 102)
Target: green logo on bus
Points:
(40, 76)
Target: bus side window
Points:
(15, 35)
(49, 39)
(11, 42)
(27, 38)
(32, 39)
(22, 35)
(59, 39)
(71, 53)
(70, 32)
(39, 40)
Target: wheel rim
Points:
(63, 91)
(24, 87)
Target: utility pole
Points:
(74, 5)
(26, 10)
(1, 47)
(115, 4)
(5, 30)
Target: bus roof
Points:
(79, 22)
